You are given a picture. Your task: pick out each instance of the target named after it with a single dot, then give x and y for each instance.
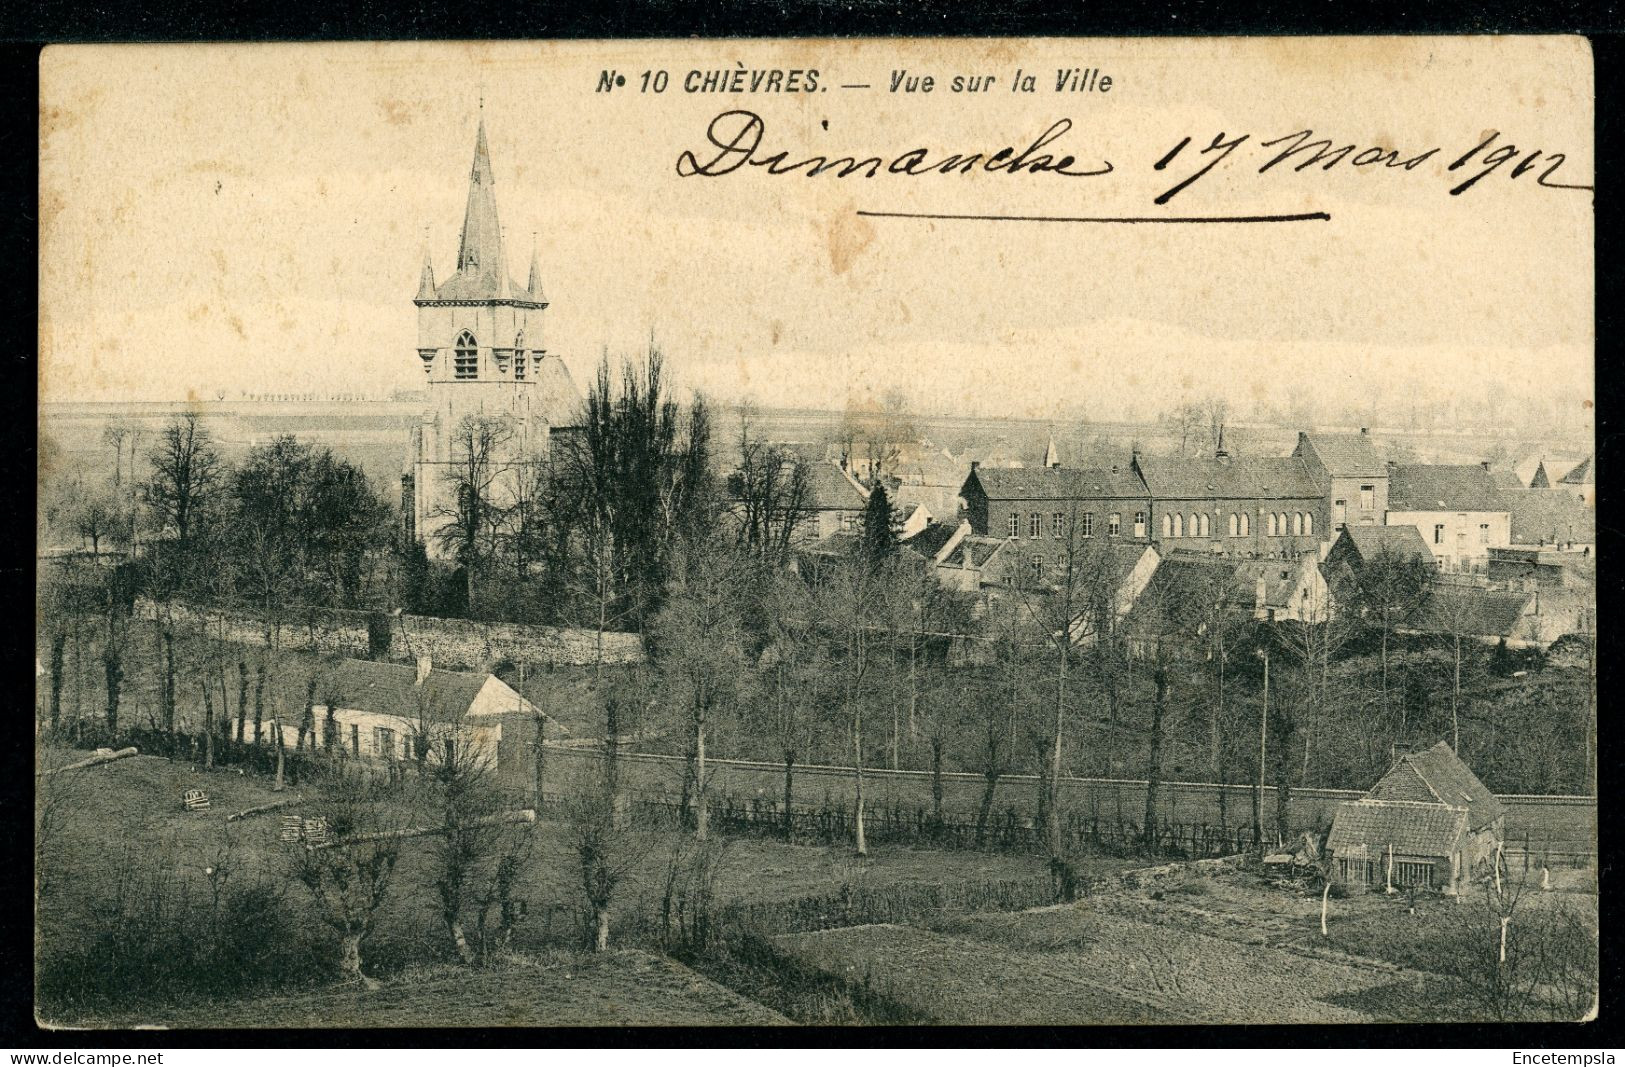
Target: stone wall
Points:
(456, 644)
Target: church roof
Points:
(482, 262)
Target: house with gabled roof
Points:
(1581, 481)
(1350, 472)
(399, 713)
(1429, 823)
(1459, 510)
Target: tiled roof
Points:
(556, 394)
(931, 540)
(1438, 776)
(1506, 478)
(387, 689)
(975, 551)
(1441, 487)
(1412, 829)
(1056, 483)
(1262, 477)
(1399, 540)
(1470, 611)
(832, 489)
(1347, 455)
(1550, 516)
(1280, 578)
(1581, 475)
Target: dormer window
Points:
(466, 358)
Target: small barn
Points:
(1429, 823)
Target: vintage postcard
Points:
(816, 531)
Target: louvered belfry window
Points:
(466, 358)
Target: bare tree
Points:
(185, 479)
(350, 878)
(477, 856)
(771, 495)
(700, 636)
(472, 526)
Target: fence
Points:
(1555, 824)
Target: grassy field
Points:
(624, 988)
(121, 827)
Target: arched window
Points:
(1207, 525)
(1297, 524)
(1235, 526)
(1246, 524)
(466, 359)
(1167, 526)
(1195, 526)
(519, 357)
(1270, 525)
(1281, 523)
(1179, 525)
(1309, 523)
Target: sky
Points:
(254, 218)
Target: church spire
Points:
(534, 286)
(480, 253)
(426, 281)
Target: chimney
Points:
(1114, 468)
(975, 464)
(1485, 464)
(425, 665)
(1365, 432)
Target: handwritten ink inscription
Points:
(739, 139)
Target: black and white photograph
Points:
(834, 532)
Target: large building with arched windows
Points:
(496, 395)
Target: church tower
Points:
(480, 343)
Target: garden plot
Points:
(1075, 964)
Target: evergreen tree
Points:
(879, 539)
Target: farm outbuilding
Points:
(1429, 823)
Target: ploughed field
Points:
(1075, 964)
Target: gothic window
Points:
(1179, 525)
(1196, 527)
(1270, 527)
(519, 359)
(1206, 528)
(1309, 523)
(1297, 524)
(1246, 524)
(1167, 526)
(466, 359)
(1235, 525)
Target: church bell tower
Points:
(480, 344)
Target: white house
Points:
(391, 711)
(1459, 511)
